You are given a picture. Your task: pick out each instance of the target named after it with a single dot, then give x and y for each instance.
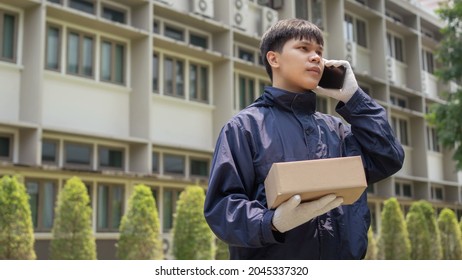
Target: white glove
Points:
(350, 85)
(291, 213)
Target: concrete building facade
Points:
(128, 92)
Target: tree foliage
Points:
(371, 253)
(140, 237)
(72, 231)
(450, 235)
(16, 229)
(423, 232)
(447, 118)
(393, 241)
(192, 237)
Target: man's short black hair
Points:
(284, 30)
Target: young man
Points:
(283, 125)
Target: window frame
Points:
(355, 30)
(124, 11)
(167, 222)
(88, 166)
(109, 207)
(426, 66)
(175, 60)
(93, 2)
(165, 155)
(248, 95)
(201, 85)
(59, 52)
(109, 149)
(9, 136)
(199, 159)
(433, 143)
(15, 15)
(57, 149)
(113, 68)
(396, 122)
(39, 227)
(156, 89)
(392, 46)
(80, 56)
(401, 193)
(434, 190)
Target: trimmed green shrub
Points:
(72, 231)
(371, 253)
(423, 232)
(192, 237)
(393, 241)
(450, 235)
(16, 229)
(222, 251)
(140, 237)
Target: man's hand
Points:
(291, 213)
(350, 85)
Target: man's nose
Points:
(315, 58)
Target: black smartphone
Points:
(333, 77)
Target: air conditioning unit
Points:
(203, 7)
(391, 69)
(268, 18)
(350, 53)
(240, 14)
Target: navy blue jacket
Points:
(283, 126)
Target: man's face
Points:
(299, 66)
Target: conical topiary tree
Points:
(393, 243)
(450, 235)
(140, 237)
(436, 252)
(222, 251)
(423, 232)
(72, 231)
(192, 237)
(16, 229)
(371, 253)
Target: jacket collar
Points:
(296, 102)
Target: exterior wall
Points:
(40, 105)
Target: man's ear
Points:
(273, 59)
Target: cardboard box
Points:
(312, 179)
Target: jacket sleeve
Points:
(371, 136)
(230, 212)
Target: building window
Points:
(199, 167)
(155, 162)
(6, 148)
(110, 207)
(155, 27)
(398, 101)
(198, 82)
(311, 10)
(261, 86)
(53, 48)
(433, 143)
(395, 47)
(428, 61)
(111, 158)
(50, 151)
(77, 154)
(174, 164)
(400, 127)
(437, 193)
(174, 33)
(80, 54)
(86, 6)
(246, 55)
(55, 1)
(246, 91)
(169, 198)
(155, 72)
(112, 62)
(174, 77)
(113, 14)
(42, 197)
(198, 40)
(8, 35)
(355, 30)
(403, 189)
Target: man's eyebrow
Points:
(310, 43)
